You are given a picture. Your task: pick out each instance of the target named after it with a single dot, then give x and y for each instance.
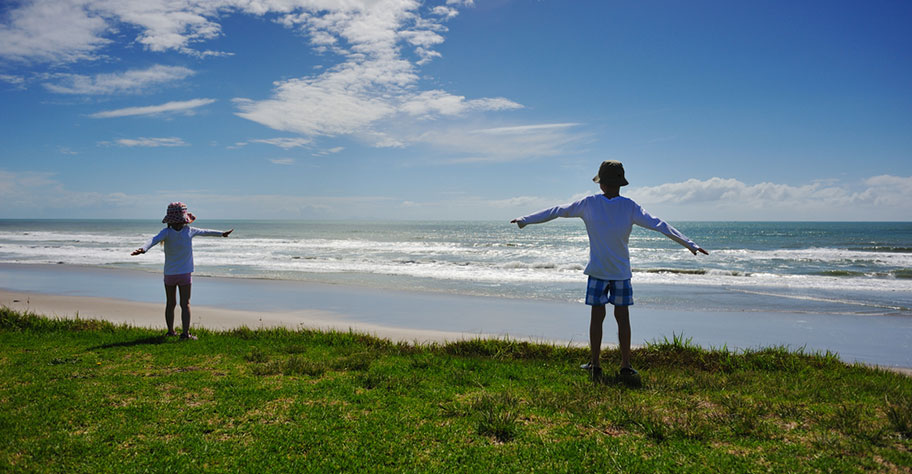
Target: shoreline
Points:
(136, 297)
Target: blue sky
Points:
(401, 109)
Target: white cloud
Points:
(148, 142)
(876, 198)
(282, 161)
(39, 194)
(58, 31)
(375, 85)
(443, 11)
(331, 104)
(127, 82)
(373, 94)
(889, 191)
(436, 102)
(52, 31)
(284, 143)
(186, 107)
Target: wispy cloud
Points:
(282, 161)
(147, 142)
(127, 82)
(525, 129)
(284, 143)
(330, 151)
(186, 107)
(504, 143)
(17, 81)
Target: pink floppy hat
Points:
(177, 214)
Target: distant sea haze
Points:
(863, 268)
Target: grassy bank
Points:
(88, 396)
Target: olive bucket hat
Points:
(611, 173)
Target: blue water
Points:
(845, 268)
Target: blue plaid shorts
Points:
(616, 292)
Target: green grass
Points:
(89, 396)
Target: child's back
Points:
(609, 218)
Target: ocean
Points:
(813, 267)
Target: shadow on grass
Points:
(151, 340)
(618, 380)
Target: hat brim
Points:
(612, 182)
(184, 219)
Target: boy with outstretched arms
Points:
(609, 218)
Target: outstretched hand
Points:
(520, 224)
(704, 252)
(225, 234)
(137, 252)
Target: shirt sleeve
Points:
(154, 240)
(205, 232)
(574, 209)
(648, 221)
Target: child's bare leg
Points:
(185, 309)
(595, 335)
(622, 316)
(170, 303)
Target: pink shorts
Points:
(177, 280)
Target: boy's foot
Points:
(628, 372)
(170, 334)
(188, 336)
(595, 374)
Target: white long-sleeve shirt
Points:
(179, 247)
(609, 222)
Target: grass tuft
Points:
(256, 355)
(497, 416)
(899, 416)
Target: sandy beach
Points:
(137, 297)
(150, 315)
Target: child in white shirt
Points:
(609, 218)
(178, 242)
